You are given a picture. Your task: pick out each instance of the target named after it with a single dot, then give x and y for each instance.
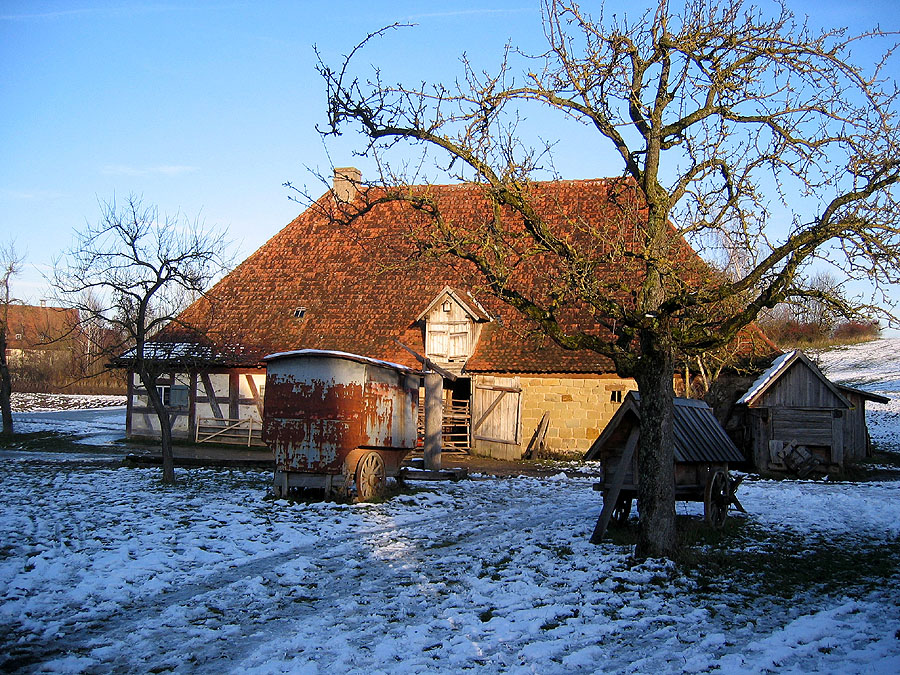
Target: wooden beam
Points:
(211, 395)
(253, 390)
(612, 495)
(537, 440)
(434, 420)
(428, 363)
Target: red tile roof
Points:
(362, 286)
(41, 328)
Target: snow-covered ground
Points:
(29, 402)
(105, 570)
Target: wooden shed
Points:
(794, 419)
(703, 452)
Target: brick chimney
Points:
(346, 182)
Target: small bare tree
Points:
(10, 266)
(135, 272)
(726, 118)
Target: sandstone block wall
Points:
(579, 407)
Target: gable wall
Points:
(799, 387)
(449, 335)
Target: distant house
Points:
(794, 419)
(43, 336)
(321, 285)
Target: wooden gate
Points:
(496, 416)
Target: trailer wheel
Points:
(716, 499)
(370, 477)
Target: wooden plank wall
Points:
(450, 335)
(856, 438)
(808, 427)
(497, 417)
(799, 387)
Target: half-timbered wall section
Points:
(223, 406)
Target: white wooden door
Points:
(496, 410)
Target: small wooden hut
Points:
(794, 419)
(703, 452)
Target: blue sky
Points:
(207, 108)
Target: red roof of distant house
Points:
(43, 328)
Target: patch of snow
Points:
(871, 366)
(32, 402)
(105, 569)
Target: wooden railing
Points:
(455, 429)
(231, 431)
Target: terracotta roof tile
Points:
(43, 328)
(362, 289)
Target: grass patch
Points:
(486, 615)
(751, 562)
(44, 441)
(882, 459)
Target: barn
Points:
(321, 283)
(794, 419)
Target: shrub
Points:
(856, 331)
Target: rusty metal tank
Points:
(338, 421)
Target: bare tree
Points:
(135, 272)
(726, 118)
(10, 266)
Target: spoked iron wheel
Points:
(621, 511)
(370, 477)
(716, 499)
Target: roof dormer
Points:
(452, 323)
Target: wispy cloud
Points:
(469, 12)
(109, 11)
(165, 170)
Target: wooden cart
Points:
(338, 422)
(703, 452)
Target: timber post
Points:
(434, 418)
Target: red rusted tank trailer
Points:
(336, 420)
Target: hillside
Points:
(872, 366)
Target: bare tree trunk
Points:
(165, 426)
(5, 386)
(656, 459)
(168, 459)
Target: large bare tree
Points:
(134, 272)
(10, 266)
(734, 122)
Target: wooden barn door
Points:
(496, 416)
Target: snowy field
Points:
(873, 366)
(27, 402)
(105, 570)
